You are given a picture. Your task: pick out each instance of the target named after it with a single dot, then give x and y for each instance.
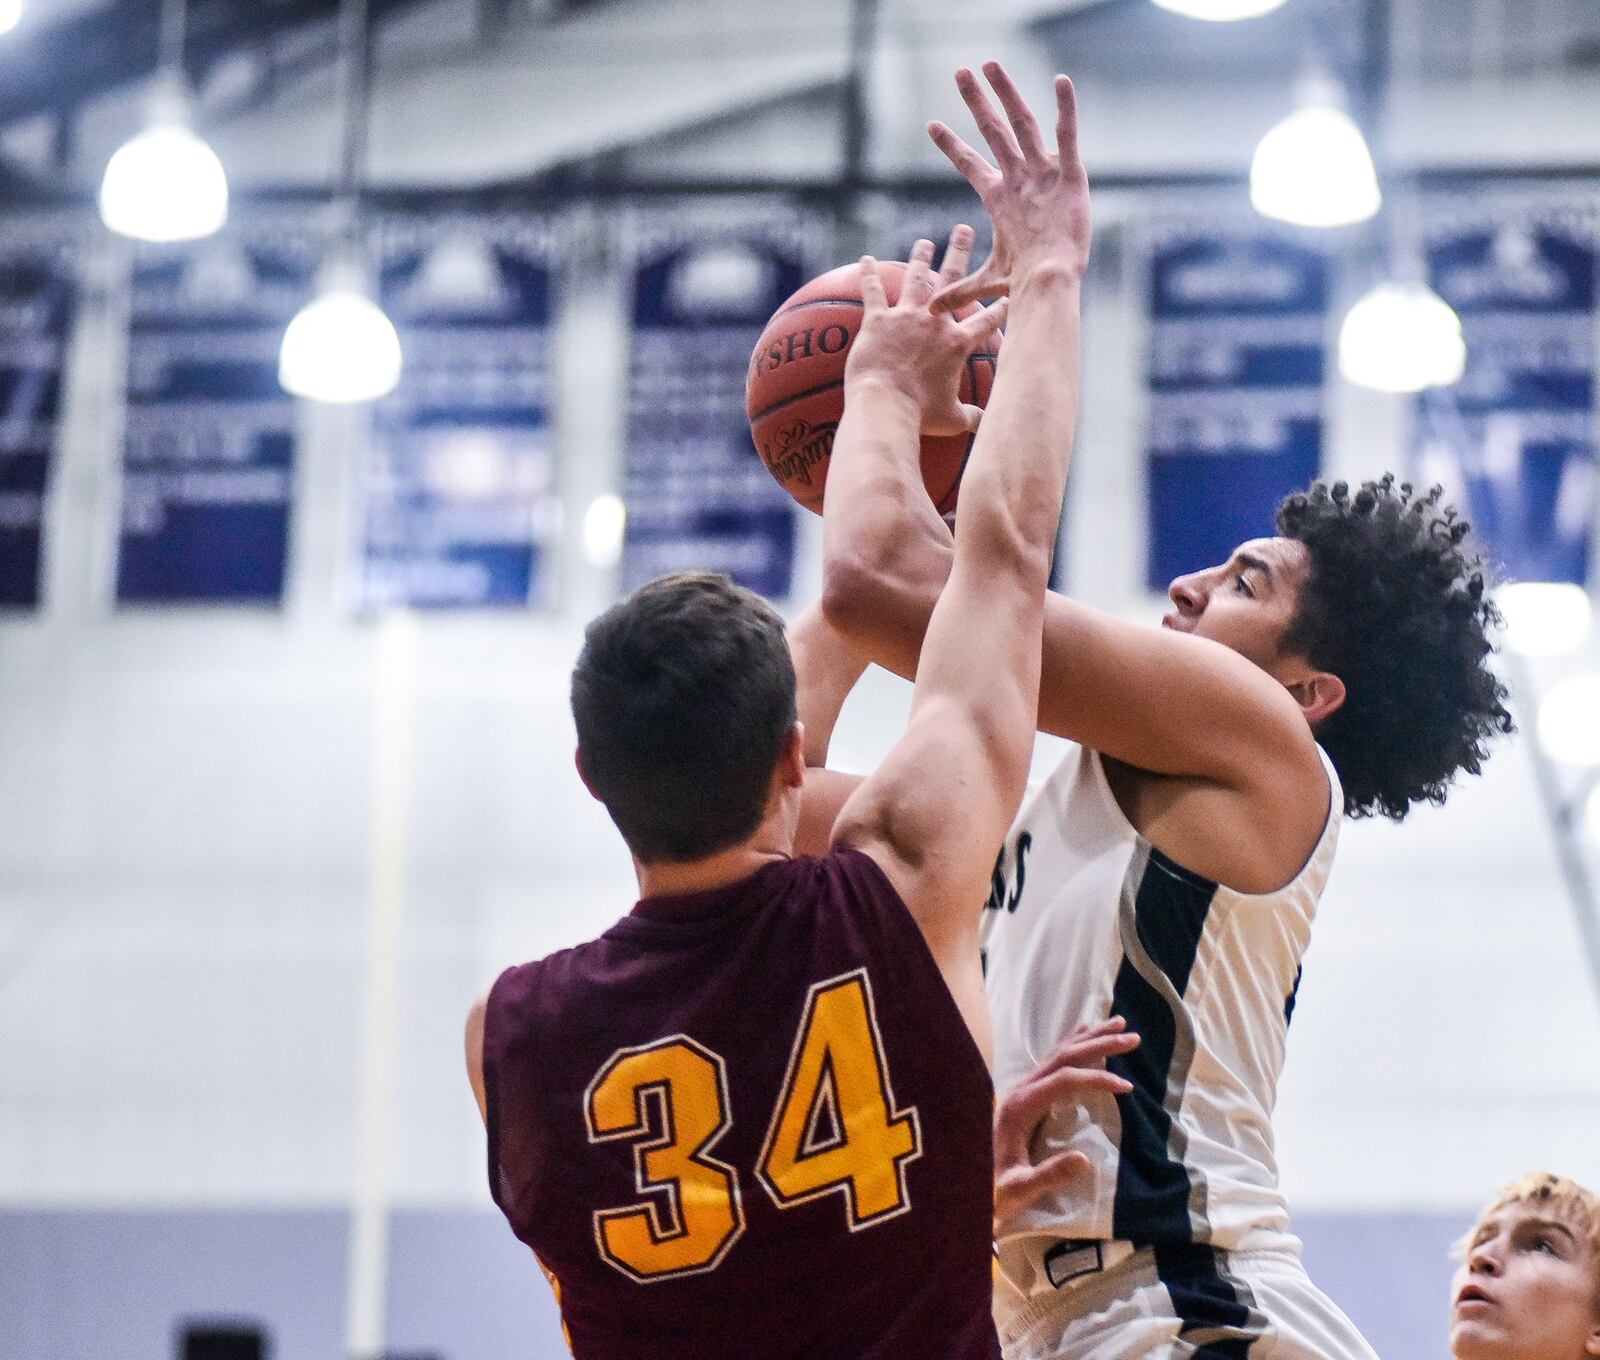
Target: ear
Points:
(577, 761)
(792, 761)
(1319, 694)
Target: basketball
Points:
(794, 395)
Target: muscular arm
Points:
(1244, 795)
(826, 669)
(935, 812)
(1160, 701)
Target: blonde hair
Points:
(1574, 1204)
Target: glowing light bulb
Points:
(1314, 170)
(1569, 721)
(1545, 618)
(1221, 11)
(1402, 337)
(165, 184)
(604, 524)
(340, 347)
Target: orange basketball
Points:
(794, 395)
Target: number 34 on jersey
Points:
(834, 1129)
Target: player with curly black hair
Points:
(1167, 874)
(1395, 605)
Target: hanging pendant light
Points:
(341, 347)
(1220, 11)
(1314, 169)
(10, 14)
(1545, 618)
(1402, 337)
(165, 183)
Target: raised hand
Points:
(1075, 1069)
(1038, 199)
(915, 347)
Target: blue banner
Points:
(698, 495)
(208, 457)
(1515, 438)
(1238, 324)
(459, 499)
(38, 296)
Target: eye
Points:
(1545, 1244)
(1243, 587)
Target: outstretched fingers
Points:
(1066, 122)
(983, 323)
(1024, 126)
(974, 169)
(989, 281)
(873, 298)
(1002, 142)
(917, 286)
(957, 255)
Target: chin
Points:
(1471, 1340)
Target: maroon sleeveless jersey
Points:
(749, 1122)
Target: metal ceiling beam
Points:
(75, 60)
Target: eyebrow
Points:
(1250, 562)
(1550, 1223)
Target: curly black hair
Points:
(1395, 605)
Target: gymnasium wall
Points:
(185, 863)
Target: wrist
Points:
(883, 391)
(1047, 275)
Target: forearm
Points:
(826, 670)
(892, 556)
(1012, 492)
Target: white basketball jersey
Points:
(1088, 920)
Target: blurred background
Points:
(353, 355)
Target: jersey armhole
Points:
(491, 1089)
(895, 906)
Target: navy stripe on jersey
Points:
(1162, 918)
(1294, 992)
(1217, 1310)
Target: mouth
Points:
(1472, 1296)
(1173, 621)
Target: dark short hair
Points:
(1395, 605)
(683, 695)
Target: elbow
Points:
(854, 589)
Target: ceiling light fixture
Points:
(1220, 11)
(341, 347)
(165, 183)
(1314, 169)
(1402, 337)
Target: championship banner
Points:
(698, 495)
(459, 500)
(1238, 321)
(38, 298)
(208, 455)
(1515, 438)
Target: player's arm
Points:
(826, 669)
(480, 1090)
(1158, 700)
(935, 813)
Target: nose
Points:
(1188, 593)
(1481, 1260)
